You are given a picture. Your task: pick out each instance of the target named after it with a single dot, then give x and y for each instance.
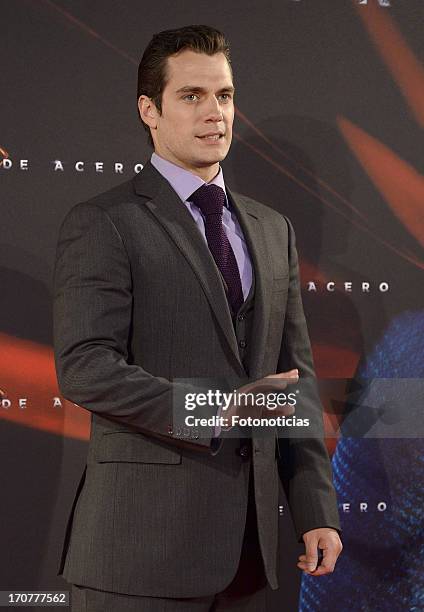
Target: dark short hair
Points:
(152, 74)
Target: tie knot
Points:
(209, 198)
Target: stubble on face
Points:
(198, 99)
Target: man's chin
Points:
(214, 157)
(206, 163)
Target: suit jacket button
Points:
(244, 451)
(242, 344)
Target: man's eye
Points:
(189, 96)
(228, 96)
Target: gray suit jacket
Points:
(139, 305)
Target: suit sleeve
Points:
(92, 318)
(304, 461)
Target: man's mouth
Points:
(211, 137)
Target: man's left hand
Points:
(328, 541)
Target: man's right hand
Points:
(247, 406)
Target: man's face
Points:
(197, 100)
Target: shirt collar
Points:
(184, 182)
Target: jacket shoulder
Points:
(107, 202)
(118, 195)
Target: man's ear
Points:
(148, 111)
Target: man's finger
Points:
(311, 556)
(291, 375)
(330, 554)
(271, 382)
(275, 382)
(288, 374)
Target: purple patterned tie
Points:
(211, 199)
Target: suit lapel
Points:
(251, 223)
(174, 217)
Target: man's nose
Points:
(214, 111)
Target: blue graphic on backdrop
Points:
(381, 566)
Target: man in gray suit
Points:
(167, 285)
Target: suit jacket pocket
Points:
(128, 447)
